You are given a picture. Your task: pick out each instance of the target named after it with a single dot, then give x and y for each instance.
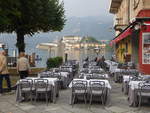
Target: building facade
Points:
(71, 39)
(132, 26)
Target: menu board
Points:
(146, 48)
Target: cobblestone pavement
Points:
(119, 104)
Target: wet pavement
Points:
(119, 104)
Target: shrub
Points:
(54, 62)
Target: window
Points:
(146, 48)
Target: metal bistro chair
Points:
(46, 74)
(97, 89)
(84, 70)
(88, 76)
(98, 76)
(81, 75)
(56, 70)
(121, 74)
(41, 87)
(79, 88)
(95, 71)
(57, 75)
(143, 91)
(125, 84)
(64, 70)
(60, 81)
(26, 87)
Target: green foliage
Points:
(122, 50)
(89, 40)
(54, 62)
(109, 48)
(25, 17)
(31, 16)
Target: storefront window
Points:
(146, 48)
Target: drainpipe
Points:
(129, 13)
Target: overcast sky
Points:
(83, 8)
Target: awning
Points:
(46, 46)
(122, 35)
(114, 6)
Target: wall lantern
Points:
(137, 26)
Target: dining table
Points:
(52, 84)
(106, 92)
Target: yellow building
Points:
(128, 14)
(123, 49)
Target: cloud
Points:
(82, 8)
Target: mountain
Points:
(98, 27)
(89, 40)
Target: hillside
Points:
(89, 26)
(96, 27)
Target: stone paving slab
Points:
(119, 104)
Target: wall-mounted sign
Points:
(146, 48)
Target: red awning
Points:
(121, 36)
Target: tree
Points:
(89, 40)
(25, 17)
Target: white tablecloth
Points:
(107, 84)
(134, 84)
(51, 81)
(126, 78)
(44, 73)
(69, 68)
(133, 92)
(92, 69)
(116, 70)
(64, 74)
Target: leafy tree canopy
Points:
(25, 17)
(89, 40)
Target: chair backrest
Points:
(64, 69)
(26, 83)
(94, 71)
(81, 75)
(144, 87)
(98, 76)
(79, 85)
(56, 70)
(146, 78)
(88, 76)
(41, 84)
(129, 72)
(57, 75)
(46, 74)
(94, 67)
(84, 70)
(135, 78)
(97, 85)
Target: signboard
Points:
(146, 48)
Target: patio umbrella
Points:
(47, 46)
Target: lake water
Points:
(31, 42)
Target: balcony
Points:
(118, 24)
(114, 5)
